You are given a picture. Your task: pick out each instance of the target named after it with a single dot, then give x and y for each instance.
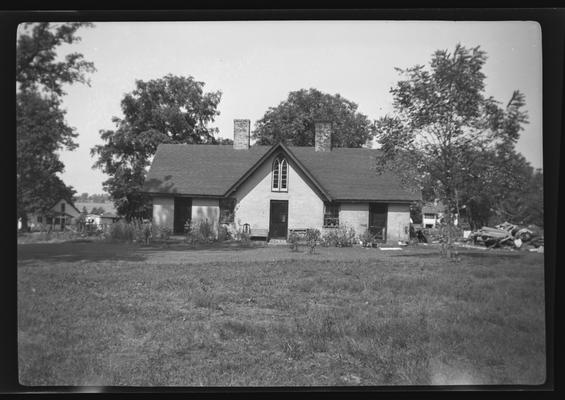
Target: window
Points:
(331, 215)
(227, 207)
(40, 219)
(280, 175)
(429, 216)
(62, 207)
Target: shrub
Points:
(223, 233)
(164, 233)
(200, 232)
(367, 238)
(329, 238)
(339, 237)
(136, 229)
(293, 239)
(312, 237)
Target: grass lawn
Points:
(112, 314)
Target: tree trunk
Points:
(24, 223)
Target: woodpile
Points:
(509, 235)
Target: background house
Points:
(104, 219)
(275, 189)
(433, 212)
(57, 217)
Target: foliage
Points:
(312, 238)
(442, 125)
(40, 121)
(162, 232)
(172, 109)
(200, 232)
(367, 238)
(97, 210)
(292, 121)
(37, 65)
(510, 190)
(293, 239)
(41, 131)
(416, 212)
(94, 198)
(341, 236)
(134, 230)
(223, 233)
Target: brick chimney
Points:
(241, 137)
(323, 136)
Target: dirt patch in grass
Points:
(352, 317)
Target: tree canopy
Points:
(37, 67)
(172, 109)
(292, 121)
(445, 132)
(40, 121)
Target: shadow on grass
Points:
(73, 251)
(220, 247)
(70, 252)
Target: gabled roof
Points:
(279, 147)
(67, 202)
(204, 169)
(215, 170)
(349, 174)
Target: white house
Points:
(274, 189)
(433, 212)
(61, 214)
(106, 218)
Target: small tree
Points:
(443, 123)
(312, 238)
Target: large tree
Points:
(502, 186)
(443, 123)
(172, 109)
(40, 120)
(292, 121)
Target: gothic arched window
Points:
(279, 181)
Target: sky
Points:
(257, 63)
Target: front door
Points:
(377, 220)
(183, 213)
(278, 222)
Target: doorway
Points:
(182, 214)
(377, 220)
(278, 220)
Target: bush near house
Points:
(200, 232)
(312, 237)
(293, 239)
(136, 230)
(341, 236)
(367, 238)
